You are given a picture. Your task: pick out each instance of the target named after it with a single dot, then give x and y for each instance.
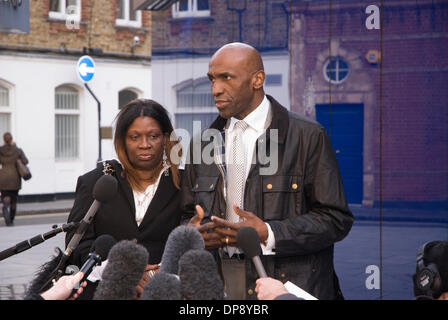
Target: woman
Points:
(10, 180)
(146, 207)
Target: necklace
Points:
(151, 193)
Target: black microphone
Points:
(199, 277)
(27, 244)
(98, 253)
(105, 189)
(126, 264)
(248, 240)
(180, 240)
(162, 286)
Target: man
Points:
(275, 172)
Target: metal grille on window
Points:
(66, 123)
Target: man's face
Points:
(144, 143)
(231, 84)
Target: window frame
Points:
(337, 70)
(126, 21)
(71, 112)
(192, 11)
(61, 14)
(8, 110)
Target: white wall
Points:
(34, 79)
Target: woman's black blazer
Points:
(117, 216)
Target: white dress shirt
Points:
(257, 122)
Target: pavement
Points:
(56, 206)
(374, 262)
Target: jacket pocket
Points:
(280, 194)
(204, 191)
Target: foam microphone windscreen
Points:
(102, 245)
(127, 261)
(248, 240)
(98, 253)
(199, 277)
(162, 286)
(180, 240)
(105, 188)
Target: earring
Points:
(165, 163)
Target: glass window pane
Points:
(66, 136)
(183, 5)
(125, 96)
(132, 12)
(54, 5)
(203, 5)
(120, 9)
(194, 97)
(66, 98)
(4, 123)
(71, 7)
(4, 97)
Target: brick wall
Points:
(414, 134)
(96, 30)
(262, 24)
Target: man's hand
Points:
(269, 288)
(150, 270)
(212, 240)
(228, 230)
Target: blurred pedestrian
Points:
(10, 180)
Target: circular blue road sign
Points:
(85, 68)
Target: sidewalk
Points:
(56, 206)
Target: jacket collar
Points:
(280, 120)
(162, 197)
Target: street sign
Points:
(85, 68)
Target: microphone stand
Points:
(27, 244)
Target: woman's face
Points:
(144, 143)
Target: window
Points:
(125, 96)
(126, 15)
(5, 110)
(66, 123)
(63, 9)
(195, 96)
(273, 80)
(191, 8)
(336, 70)
(195, 103)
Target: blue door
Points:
(345, 126)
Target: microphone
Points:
(180, 240)
(162, 286)
(98, 253)
(27, 244)
(248, 240)
(199, 277)
(126, 264)
(104, 189)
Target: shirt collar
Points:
(256, 119)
